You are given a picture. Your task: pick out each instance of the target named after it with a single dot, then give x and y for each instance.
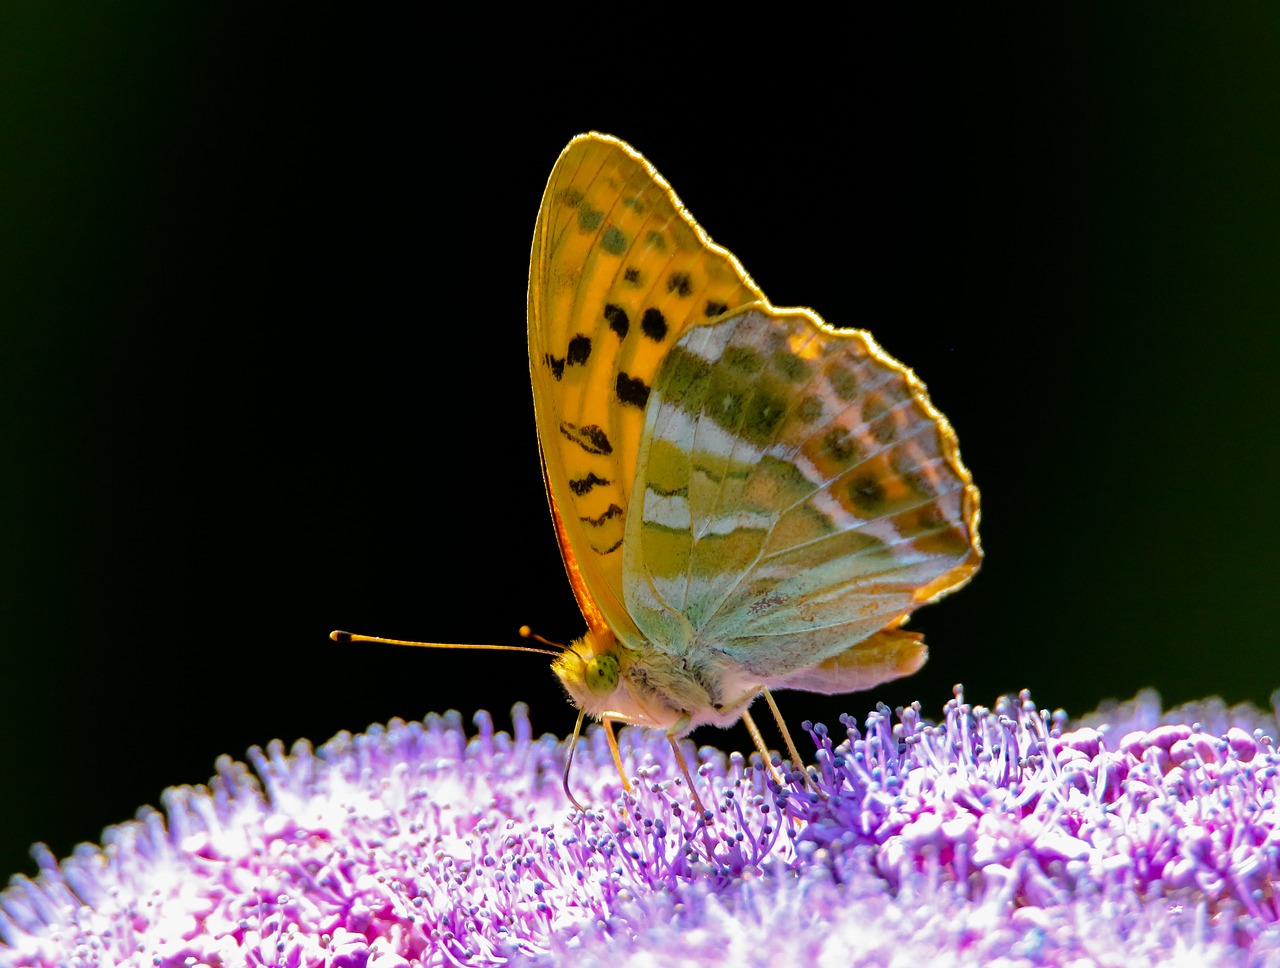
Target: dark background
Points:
(263, 368)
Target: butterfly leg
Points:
(613, 749)
(673, 733)
(568, 761)
(796, 762)
(758, 739)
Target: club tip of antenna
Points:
(339, 636)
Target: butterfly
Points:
(745, 498)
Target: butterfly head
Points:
(591, 672)
(604, 679)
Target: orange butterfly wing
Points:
(617, 272)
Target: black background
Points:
(263, 368)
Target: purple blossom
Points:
(996, 835)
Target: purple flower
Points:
(995, 834)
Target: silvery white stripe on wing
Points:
(714, 441)
(807, 468)
(728, 523)
(707, 343)
(673, 424)
(699, 435)
(666, 510)
(670, 423)
(830, 507)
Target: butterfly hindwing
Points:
(619, 270)
(798, 493)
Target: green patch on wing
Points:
(683, 380)
(672, 552)
(742, 360)
(790, 367)
(669, 468)
(802, 524)
(752, 406)
(778, 484)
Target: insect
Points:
(745, 498)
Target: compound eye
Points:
(602, 675)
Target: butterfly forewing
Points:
(618, 271)
(797, 494)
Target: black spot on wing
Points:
(618, 319)
(680, 283)
(868, 496)
(839, 446)
(632, 391)
(579, 350)
(609, 513)
(714, 308)
(556, 364)
(582, 485)
(590, 438)
(632, 276)
(654, 325)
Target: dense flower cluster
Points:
(996, 835)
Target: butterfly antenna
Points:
(528, 633)
(568, 761)
(339, 636)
